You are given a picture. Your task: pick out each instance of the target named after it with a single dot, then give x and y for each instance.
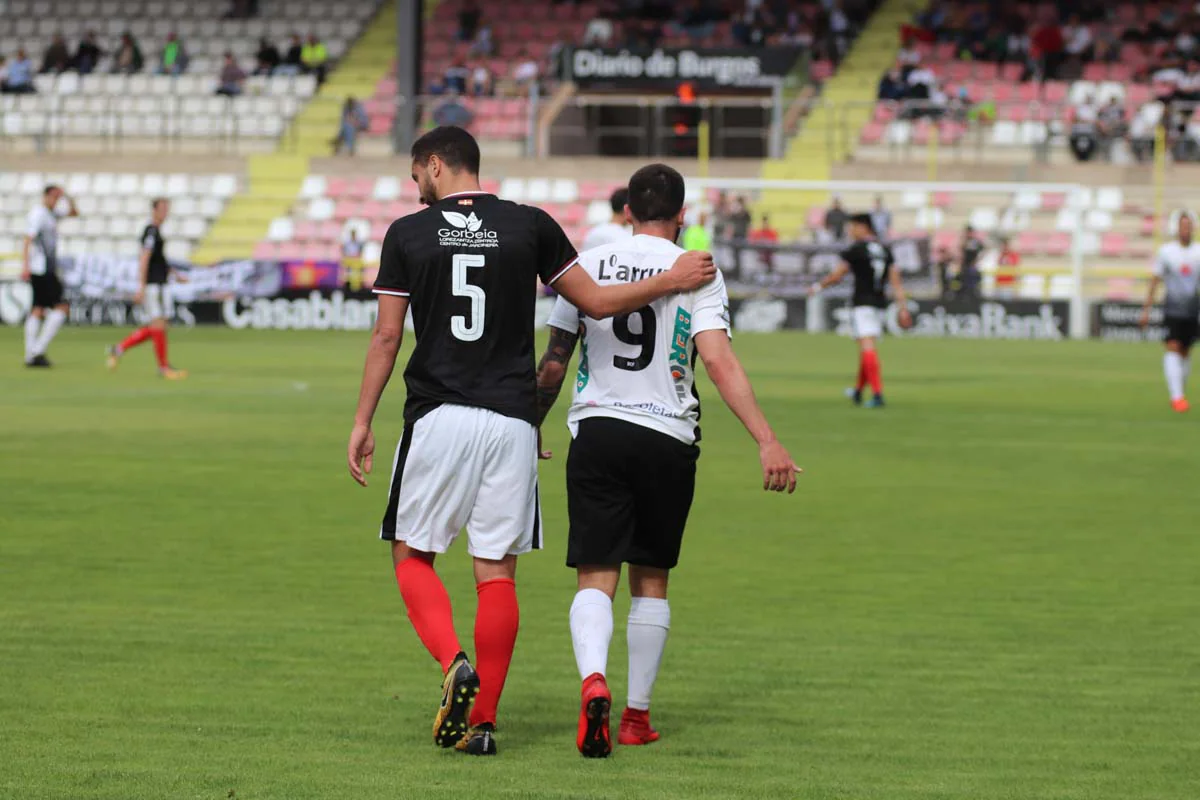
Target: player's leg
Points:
(601, 507)
(434, 481)
(646, 633)
(33, 324)
(1173, 368)
(667, 473)
(55, 317)
(504, 523)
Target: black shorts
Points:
(629, 491)
(1182, 329)
(47, 290)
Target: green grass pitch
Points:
(988, 590)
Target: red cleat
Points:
(594, 740)
(1180, 405)
(636, 728)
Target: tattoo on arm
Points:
(552, 369)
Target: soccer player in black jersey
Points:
(873, 268)
(468, 267)
(153, 271)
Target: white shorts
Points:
(866, 322)
(459, 467)
(153, 305)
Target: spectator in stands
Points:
(942, 262)
(1142, 130)
(695, 19)
(483, 44)
(353, 122)
(230, 81)
(908, 58)
(128, 58)
(1019, 47)
(1085, 134)
(242, 9)
(881, 219)
(468, 20)
(292, 63)
(87, 54)
(836, 219)
(174, 58)
(599, 32)
(1111, 124)
(1049, 45)
(526, 71)
(454, 79)
(352, 260)
(313, 57)
(267, 59)
(970, 249)
(19, 77)
(453, 112)
(1077, 37)
(482, 81)
(764, 232)
(696, 235)
(1107, 46)
(892, 85)
(739, 220)
(57, 58)
(1187, 86)
(1007, 264)
(722, 224)
(839, 30)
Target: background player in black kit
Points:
(469, 265)
(873, 268)
(153, 271)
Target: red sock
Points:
(134, 339)
(428, 608)
(870, 360)
(160, 346)
(496, 625)
(862, 372)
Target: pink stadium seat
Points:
(345, 209)
(1011, 72)
(372, 209)
(337, 188)
(1137, 94)
(1113, 245)
(942, 199)
(266, 251)
(816, 218)
(946, 239)
(329, 231)
(1095, 71)
(1029, 242)
(1053, 201)
(573, 214)
(1146, 227)
(821, 70)
(885, 111)
(1058, 244)
(1003, 92)
(951, 132)
(1118, 289)
(290, 251)
(1014, 112)
(986, 71)
(303, 230)
(1055, 91)
(379, 230)
(1120, 72)
(921, 132)
(872, 133)
(944, 51)
(360, 187)
(959, 71)
(491, 185)
(591, 190)
(380, 124)
(1027, 92)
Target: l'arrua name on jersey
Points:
(619, 272)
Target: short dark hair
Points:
(457, 148)
(154, 202)
(863, 219)
(50, 187)
(655, 193)
(618, 199)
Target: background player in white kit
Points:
(39, 266)
(1177, 268)
(616, 229)
(631, 471)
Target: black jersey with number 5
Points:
(469, 265)
(871, 264)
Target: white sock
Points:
(591, 630)
(1187, 368)
(649, 621)
(1173, 369)
(54, 321)
(32, 324)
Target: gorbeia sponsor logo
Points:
(465, 230)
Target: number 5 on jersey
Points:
(464, 329)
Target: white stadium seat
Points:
(513, 189)
(386, 188)
(565, 191)
(320, 209)
(313, 187)
(537, 190)
(281, 229)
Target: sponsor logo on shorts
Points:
(466, 230)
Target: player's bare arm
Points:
(25, 271)
(1151, 293)
(900, 297)
(726, 372)
(832, 279)
(552, 369)
(690, 271)
(72, 211)
(381, 360)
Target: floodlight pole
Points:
(408, 74)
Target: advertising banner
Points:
(1119, 322)
(989, 319)
(789, 269)
(665, 68)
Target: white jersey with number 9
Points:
(640, 367)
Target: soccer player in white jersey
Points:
(631, 471)
(616, 228)
(1177, 268)
(39, 266)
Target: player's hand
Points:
(691, 270)
(779, 470)
(360, 454)
(25, 274)
(906, 320)
(139, 297)
(543, 455)
(1144, 319)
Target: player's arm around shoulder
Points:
(727, 373)
(690, 271)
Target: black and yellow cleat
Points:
(479, 741)
(458, 692)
